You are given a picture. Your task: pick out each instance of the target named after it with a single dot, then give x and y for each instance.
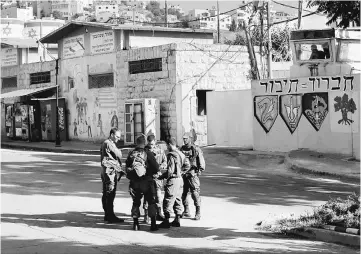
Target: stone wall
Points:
(157, 85)
(207, 67)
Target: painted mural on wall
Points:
(315, 97)
(266, 110)
(315, 108)
(291, 110)
(344, 112)
(92, 112)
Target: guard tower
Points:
(325, 52)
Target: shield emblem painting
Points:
(266, 110)
(315, 108)
(291, 110)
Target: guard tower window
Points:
(313, 51)
(40, 77)
(349, 51)
(202, 102)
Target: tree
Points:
(57, 15)
(157, 12)
(76, 15)
(175, 12)
(233, 26)
(345, 11)
(345, 105)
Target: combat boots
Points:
(176, 222)
(164, 224)
(198, 213)
(160, 216)
(136, 226)
(186, 213)
(146, 218)
(153, 226)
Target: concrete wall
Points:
(207, 67)
(229, 118)
(311, 118)
(139, 39)
(89, 111)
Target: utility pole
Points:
(269, 40)
(300, 3)
(166, 14)
(218, 31)
(133, 15)
(57, 131)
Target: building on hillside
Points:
(103, 12)
(281, 16)
(207, 19)
(172, 18)
(23, 13)
(42, 8)
(67, 8)
(177, 8)
(129, 15)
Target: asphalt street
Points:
(50, 203)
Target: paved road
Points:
(51, 204)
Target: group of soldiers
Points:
(149, 170)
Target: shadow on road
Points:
(84, 221)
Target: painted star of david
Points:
(32, 33)
(7, 30)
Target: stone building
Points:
(98, 73)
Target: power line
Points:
(286, 5)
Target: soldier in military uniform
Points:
(159, 155)
(173, 188)
(193, 166)
(111, 172)
(141, 166)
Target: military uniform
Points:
(161, 159)
(110, 157)
(193, 165)
(142, 186)
(173, 188)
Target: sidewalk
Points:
(66, 146)
(306, 161)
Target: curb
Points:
(303, 170)
(44, 149)
(327, 236)
(353, 231)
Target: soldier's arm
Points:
(170, 168)
(163, 165)
(201, 164)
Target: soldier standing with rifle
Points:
(141, 166)
(111, 173)
(194, 164)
